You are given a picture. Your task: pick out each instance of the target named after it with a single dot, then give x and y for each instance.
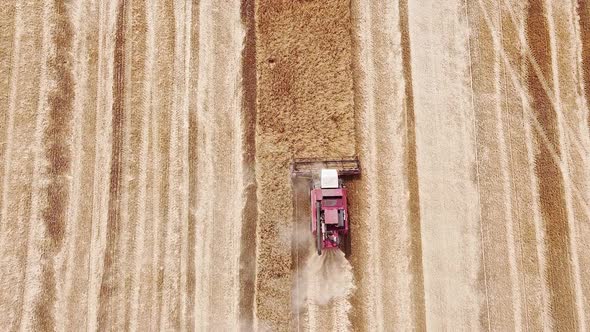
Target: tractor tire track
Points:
(193, 143)
(102, 161)
(109, 301)
(500, 229)
(416, 267)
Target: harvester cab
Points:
(329, 221)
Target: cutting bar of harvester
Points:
(308, 167)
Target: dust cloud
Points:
(323, 279)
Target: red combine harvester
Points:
(328, 195)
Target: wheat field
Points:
(145, 149)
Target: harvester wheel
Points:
(346, 245)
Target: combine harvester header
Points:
(309, 167)
(329, 221)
